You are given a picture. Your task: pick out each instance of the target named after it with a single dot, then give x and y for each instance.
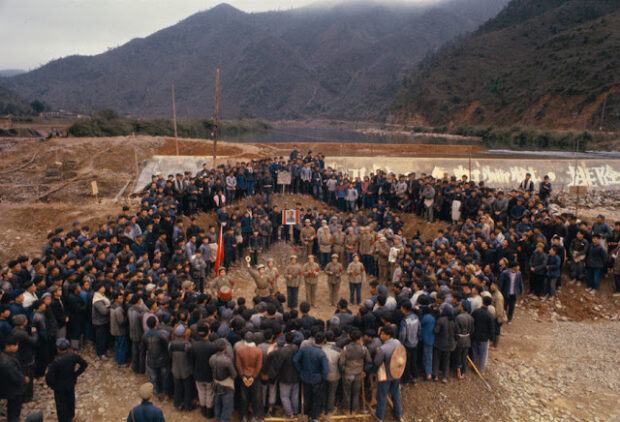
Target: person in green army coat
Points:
(293, 276)
(334, 271)
(311, 272)
(263, 285)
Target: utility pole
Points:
(216, 119)
(469, 149)
(174, 121)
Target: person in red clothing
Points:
(249, 361)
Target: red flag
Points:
(220, 251)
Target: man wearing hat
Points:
(28, 342)
(61, 377)
(221, 280)
(263, 285)
(357, 275)
(311, 272)
(338, 242)
(334, 271)
(224, 374)
(13, 379)
(273, 275)
(382, 251)
(146, 411)
(324, 238)
(366, 248)
(292, 276)
(307, 236)
(391, 385)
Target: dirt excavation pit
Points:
(557, 361)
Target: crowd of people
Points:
(150, 288)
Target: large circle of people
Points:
(145, 285)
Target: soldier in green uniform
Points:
(334, 271)
(382, 251)
(272, 272)
(263, 286)
(311, 272)
(293, 275)
(220, 281)
(307, 236)
(357, 275)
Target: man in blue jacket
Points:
(391, 385)
(146, 411)
(311, 363)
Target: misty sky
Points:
(33, 32)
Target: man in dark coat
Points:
(146, 411)
(484, 330)
(13, 380)
(28, 341)
(62, 376)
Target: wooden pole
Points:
(578, 187)
(479, 374)
(469, 164)
(174, 121)
(216, 118)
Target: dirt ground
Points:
(558, 360)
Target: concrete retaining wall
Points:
(596, 174)
(498, 172)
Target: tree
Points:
(37, 106)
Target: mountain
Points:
(10, 72)
(546, 63)
(11, 103)
(344, 61)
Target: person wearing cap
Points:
(293, 275)
(13, 379)
(311, 272)
(273, 276)
(157, 363)
(181, 367)
(544, 189)
(391, 385)
(601, 228)
(351, 244)
(221, 280)
(62, 375)
(255, 246)
(101, 320)
(324, 239)
(28, 340)
(224, 374)
(357, 276)
(596, 261)
(146, 411)
(338, 242)
(409, 333)
(366, 248)
(307, 236)
(577, 251)
(261, 279)
(527, 185)
(382, 252)
(484, 331)
(537, 263)
(334, 271)
(198, 270)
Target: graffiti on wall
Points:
(596, 174)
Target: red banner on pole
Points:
(220, 251)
